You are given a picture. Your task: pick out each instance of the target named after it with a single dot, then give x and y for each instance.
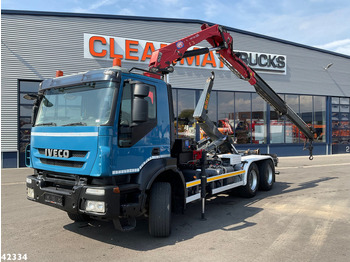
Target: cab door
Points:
(142, 126)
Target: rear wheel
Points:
(250, 189)
(267, 175)
(159, 222)
(78, 217)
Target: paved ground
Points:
(306, 217)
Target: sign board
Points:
(139, 51)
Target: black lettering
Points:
(272, 61)
(244, 57)
(251, 63)
(280, 62)
(260, 60)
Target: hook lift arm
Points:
(163, 60)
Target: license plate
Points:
(53, 199)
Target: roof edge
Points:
(169, 20)
(104, 16)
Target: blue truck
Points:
(103, 142)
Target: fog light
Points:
(95, 191)
(95, 206)
(30, 192)
(29, 181)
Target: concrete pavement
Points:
(305, 217)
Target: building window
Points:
(276, 126)
(340, 120)
(185, 107)
(306, 107)
(312, 109)
(212, 107)
(226, 120)
(319, 122)
(242, 118)
(212, 111)
(259, 123)
(292, 132)
(25, 113)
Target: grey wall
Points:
(34, 47)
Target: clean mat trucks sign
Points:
(136, 50)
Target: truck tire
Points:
(159, 222)
(267, 175)
(250, 189)
(78, 217)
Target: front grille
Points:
(73, 153)
(59, 181)
(65, 163)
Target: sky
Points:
(320, 23)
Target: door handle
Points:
(156, 151)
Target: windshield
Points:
(89, 104)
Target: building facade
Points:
(314, 82)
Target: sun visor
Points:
(90, 76)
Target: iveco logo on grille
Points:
(57, 153)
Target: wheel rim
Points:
(269, 175)
(253, 181)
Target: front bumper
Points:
(74, 200)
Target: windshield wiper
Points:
(47, 124)
(76, 124)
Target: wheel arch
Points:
(177, 183)
(163, 170)
(258, 160)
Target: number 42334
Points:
(14, 257)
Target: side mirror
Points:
(139, 104)
(141, 90)
(30, 96)
(35, 105)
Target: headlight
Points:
(29, 181)
(95, 191)
(30, 192)
(95, 206)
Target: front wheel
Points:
(159, 222)
(250, 189)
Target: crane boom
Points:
(163, 59)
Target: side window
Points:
(151, 99)
(130, 131)
(125, 110)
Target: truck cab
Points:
(92, 134)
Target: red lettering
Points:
(209, 61)
(91, 46)
(145, 55)
(221, 63)
(112, 50)
(129, 49)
